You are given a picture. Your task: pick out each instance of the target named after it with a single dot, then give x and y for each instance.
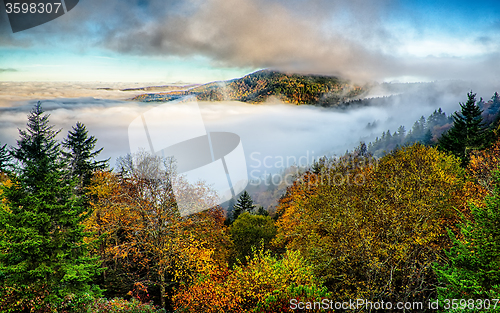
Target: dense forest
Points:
(259, 86)
(428, 131)
(411, 229)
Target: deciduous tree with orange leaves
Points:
(265, 284)
(144, 238)
(372, 229)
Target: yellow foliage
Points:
(144, 237)
(373, 229)
(264, 284)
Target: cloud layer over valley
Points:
(272, 129)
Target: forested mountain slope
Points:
(259, 86)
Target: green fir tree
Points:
(80, 156)
(468, 131)
(4, 158)
(43, 256)
(261, 211)
(244, 204)
(473, 268)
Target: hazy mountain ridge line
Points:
(152, 88)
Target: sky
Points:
(197, 41)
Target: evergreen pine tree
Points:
(244, 204)
(495, 110)
(401, 135)
(262, 211)
(37, 151)
(80, 156)
(427, 138)
(473, 269)
(495, 104)
(417, 131)
(388, 140)
(230, 212)
(43, 255)
(468, 131)
(437, 118)
(480, 104)
(4, 158)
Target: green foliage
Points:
(37, 151)
(468, 131)
(352, 227)
(118, 305)
(437, 119)
(292, 88)
(244, 204)
(43, 256)
(80, 156)
(423, 131)
(264, 284)
(262, 211)
(429, 132)
(268, 284)
(279, 300)
(87, 303)
(495, 103)
(418, 131)
(4, 158)
(249, 231)
(473, 268)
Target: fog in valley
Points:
(279, 134)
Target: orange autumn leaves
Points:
(189, 253)
(143, 238)
(265, 284)
(361, 227)
(377, 236)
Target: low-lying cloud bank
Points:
(269, 132)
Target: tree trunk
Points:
(162, 290)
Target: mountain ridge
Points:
(260, 86)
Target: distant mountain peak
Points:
(259, 86)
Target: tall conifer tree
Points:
(4, 158)
(244, 204)
(42, 251)
(468, 131)
(80, 155)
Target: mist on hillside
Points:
(273, 130)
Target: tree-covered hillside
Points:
(257, 87)
(416, 229)
(429, 131)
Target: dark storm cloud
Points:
(299, 36)
(294, 35)
(346, 37)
